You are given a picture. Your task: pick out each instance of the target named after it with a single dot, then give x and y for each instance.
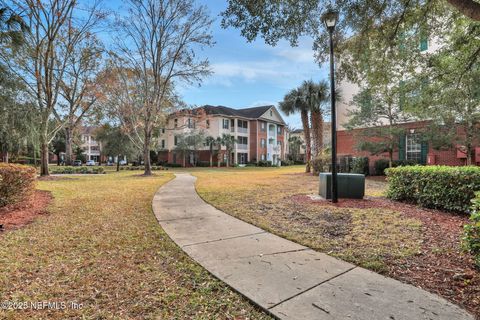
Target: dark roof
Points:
(255, 112)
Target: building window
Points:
(242, 140)
(207, 123)
(191, 123)
(175, 140)
(163, 144)
(414, 147)
(226, 124)
(279, 130)
(243, 124)
(271, 113)
(263, 127)
(232, 123)
(242, 158)
(175, 122)
(263, 143)
(163, 130)
(263, 157)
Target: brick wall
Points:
(261, 135)
(347, 141)
(253, 141)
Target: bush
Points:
(321, 163)
(77, 170)
(142, 168)
(264, 163)
(438, 187)
(17, 182)
(173, 165)
(471, 239)
(286, 163)
(360, 165)
(382, 164)
(203, 164)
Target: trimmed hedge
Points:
(382, 164)
(437, 187)
(77, 170)
(134, 168)
(17, 182)
(471, 239)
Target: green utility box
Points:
(349, 185)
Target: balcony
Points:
(242, 130)
(273, 149)
(242, 146)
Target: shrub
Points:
(17, 182)
(360, 165)
(438, 187)
(173, 165)
(471, 239)
(203, 163)
(286, 163)
(321, 163)
(77, 170)
(264, 163)
(382, 164)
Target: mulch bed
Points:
(440, 267)
(14, 217)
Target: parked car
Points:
(110, 163)
(77, 163)
(123, 162)
(90, 163)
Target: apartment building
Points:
(91, 148)
(259, 133)
(327, 138)
(411, 145)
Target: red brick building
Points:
(259, 134)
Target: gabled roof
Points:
(248, 113)
(255, 112)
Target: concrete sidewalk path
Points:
(286, 279)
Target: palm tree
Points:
(219, 143)
(210, 142)
(293, 102)
(316, 96)
(229, 142)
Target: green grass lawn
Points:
(266, 197)
(100, 246)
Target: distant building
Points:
(327, 137)
(91, 148)
(260, 133)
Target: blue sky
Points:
(251, 74)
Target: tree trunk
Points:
(211, 157)
(219, 157)
(118, 163)
(58, 159)
(44, 157)
(68, 145)
(390, 158)
(317, 133)
(146, 155)
(5, 158)
(306, 131)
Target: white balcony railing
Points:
(242, 130)
(242, 146)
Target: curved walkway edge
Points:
(286, 279)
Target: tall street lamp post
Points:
(330, 19)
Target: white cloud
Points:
(249, 70)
